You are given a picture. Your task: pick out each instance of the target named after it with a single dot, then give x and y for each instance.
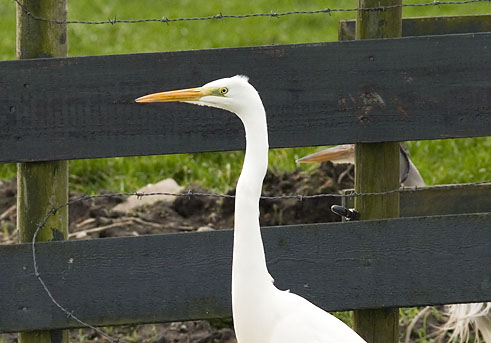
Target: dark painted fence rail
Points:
(342, 92)
(425, 26)
(383, 263)
(441, 201)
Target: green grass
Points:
(454, 160)
(447, 161)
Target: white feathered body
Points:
(283, 317)
(262, 313)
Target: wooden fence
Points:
(340, 266)
(411, 88)
(425, 88)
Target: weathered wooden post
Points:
(377, 170)
(42, 185)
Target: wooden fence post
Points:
(377, 170)
(42, 185)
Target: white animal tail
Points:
(463, 316)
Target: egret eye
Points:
(223, 90)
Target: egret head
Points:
(232, 94)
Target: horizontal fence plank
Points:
(315, 94)
(423, 26)
(441, 201)
(384, 263)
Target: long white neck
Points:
(249, 263)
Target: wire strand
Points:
(271, 14)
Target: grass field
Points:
(462, 160)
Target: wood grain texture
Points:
(42, 186)
(357, 265)
(377, 170)
(38, 38)
(441, 201)
(315, 94)
(424, 26)
(471, 199)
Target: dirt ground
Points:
(95, 219)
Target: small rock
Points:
(164, 186)
(205, 229)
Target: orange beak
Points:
(190, 94)
(338, 154)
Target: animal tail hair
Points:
(462, 317)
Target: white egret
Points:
(460, 316)
(261, 312)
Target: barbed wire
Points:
(271, 14)
(189, 193)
